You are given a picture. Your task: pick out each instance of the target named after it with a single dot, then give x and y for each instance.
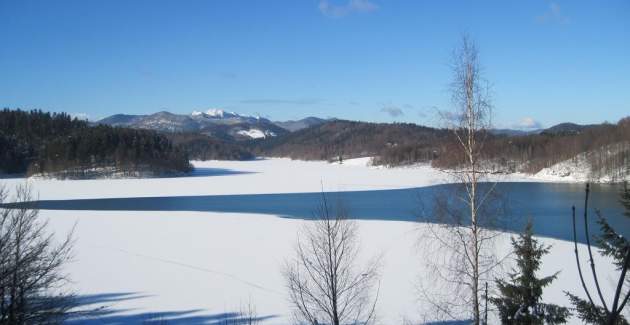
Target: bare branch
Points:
(325, 283)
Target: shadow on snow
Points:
(97, 309)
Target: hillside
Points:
(392, 144)
(604, 150)
(202, 147)
(54, 143)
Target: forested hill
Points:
(392, 144)
(35, 142)
(203, 147)
(604, 148)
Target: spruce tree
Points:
(520, 300)
(617, 247)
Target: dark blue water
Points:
(547, 205)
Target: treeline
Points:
(36, 142)
(392, 144)
(605, 148)
(202, 147)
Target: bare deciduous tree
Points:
(31, 277)
(325, 282)
(461, 241)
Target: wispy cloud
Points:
(342, 10)
(552, 15)
(528, 123)
(280, 101)
(429, 111)
(393, 111)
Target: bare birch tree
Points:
(31, 278)
(325, 282)
(460, 240)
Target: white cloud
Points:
(553, 15)
(352, 6)
(392, 110)
(528, 123)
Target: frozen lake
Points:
(194, 250)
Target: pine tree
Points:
(521, 295)
(617, 247)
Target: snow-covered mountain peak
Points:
(218, 122)
(218, 113)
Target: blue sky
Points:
(376, 60)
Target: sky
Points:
(373, 60)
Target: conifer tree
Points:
(617, 247)
(520, 300)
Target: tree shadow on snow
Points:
(207, 172)
(99, 309)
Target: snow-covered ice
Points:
(275, 175)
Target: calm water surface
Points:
(547, 204)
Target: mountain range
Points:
(216, 123)
(224, 125)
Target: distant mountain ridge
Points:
(304, 123)
(558, 129)
(214, 122)
(234, 126)
(567, 129)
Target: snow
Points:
(272, 175)
(363, 161)
(577, 169)
(213, 112)
(204, 264)
(220, 113)
(276, 175)
(572, 170)
(256, 133)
